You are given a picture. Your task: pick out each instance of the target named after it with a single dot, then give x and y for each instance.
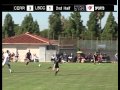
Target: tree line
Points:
(65, 27)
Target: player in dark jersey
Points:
(56, 66)
(28, 57)
(53, 57)
(95, 58)
(56, 63)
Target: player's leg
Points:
(34, 60)
(57, 70)
(3, 63)
(53, 68)
(16, 59)
(27, 61)
(9, 66)
(94, 61)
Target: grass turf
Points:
(72, 76)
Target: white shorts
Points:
(5, 62)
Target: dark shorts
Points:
(28, 59)
(56, 66)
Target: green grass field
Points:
(72, 76)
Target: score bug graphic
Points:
(79, 8)
(29, 7)
(49, 8)
(90, 7)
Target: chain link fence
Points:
(110, 47)
(70, 45)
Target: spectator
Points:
(82, 59)
(99, 58)
(89, 57)
(95, 57)
(70, 57)
(65, 57)
(12, 56)
(16, 56)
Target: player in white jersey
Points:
(6, 60)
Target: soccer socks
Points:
(9, 68)
(56, 72)
(27, 63)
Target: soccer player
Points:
(116, 58)
(95, 57)
(28, 57)
(56, 66)
(100, 58)
(16, 56)
(53, 57)
(6, 60)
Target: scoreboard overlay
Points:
(58, 8)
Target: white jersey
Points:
(52, 57)
(116, 56)
(6, 58)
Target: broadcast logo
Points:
(90, 7)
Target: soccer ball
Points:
(39, 65)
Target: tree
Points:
(55, 25)
(72, 27)
(17, 29)
(66, 31)
(76, 24)
(28, 25)
(36, 29)
(8, 27)
(100, 15)
(44, 33)
(116, 30)
(93, 26)
(110, 29)
(84, 33)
